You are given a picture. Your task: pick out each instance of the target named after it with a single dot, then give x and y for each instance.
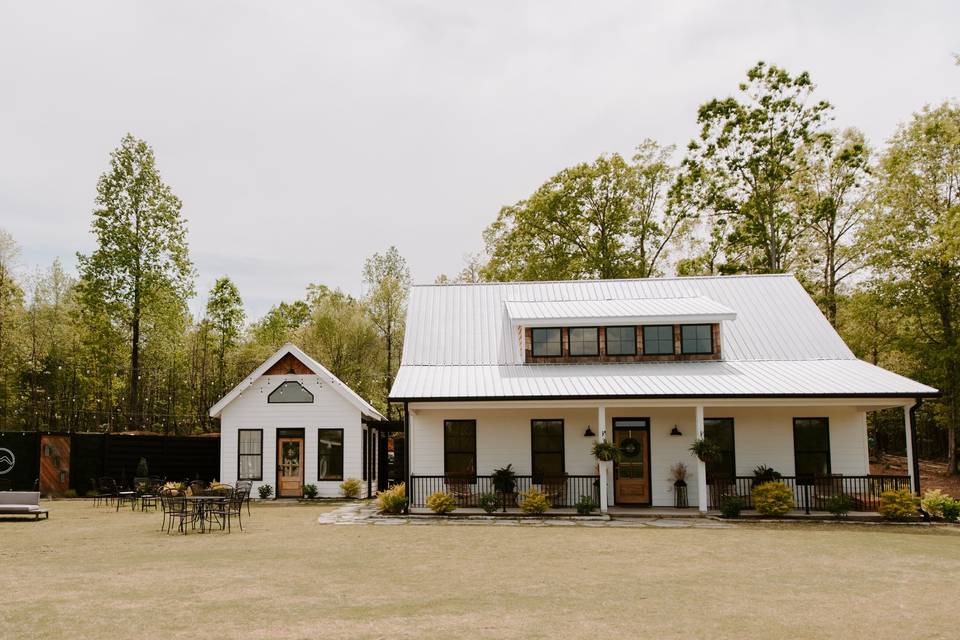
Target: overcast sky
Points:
(303, 137)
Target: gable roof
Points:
(462, 341)
(290, 349)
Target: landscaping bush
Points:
(731, 506)
(585, 505)
(951, 511)
(393, 500)
(265, 491)
(840, 504)
(898, 504)
(93, 493)
(142, 470)
(772, 498)
(310, 491)
(934, 501)
(70, 493)
(350, 488)
(489, 502)
(441, 502)
(534, 501)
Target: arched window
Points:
(290, 391)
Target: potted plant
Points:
(505, 483)
(679, 474)
(606, 451)
(705, 450)
(763, 473)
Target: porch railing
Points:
(813, 493)
(563, 491)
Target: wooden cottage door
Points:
(632, 473)
(289, 467)
(54, 464)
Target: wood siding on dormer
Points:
(566, 358)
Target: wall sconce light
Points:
(588, 433)
(675, 431)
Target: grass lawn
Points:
(93, 573)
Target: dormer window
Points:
(658, 340)
(696, 338)
(621, 341)
(584, 341)
(547, 343)
(290, 392)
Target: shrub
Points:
(505, 479)
(585, 505)
(772, 498)
(951, 511)
(934, 501)
(534, 501)
(93, 493)
(70, 493)
(840, 504)
(489, 502)
(142, 470)
(441, 502)
(350, 488)
(265, 491)
(731, 506)
(898, 504)
(393, 500)
(606, 451)
(310, 491)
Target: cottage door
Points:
(631, 476)
(289, 467)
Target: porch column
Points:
(908, 431)
(702, 500)
(602, 466)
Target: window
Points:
(547, 448)
(365, 453)
(250, 454)
(290, 391)
(720, 431)
(547, 343)
(621, 341)
(811, 447)
(658, 340)
(460, 447)
(584, 341)
(330, 454)
(696, 338)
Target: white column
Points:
(603, 466)
(702, 500)
(908, 430)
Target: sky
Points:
(302, 137)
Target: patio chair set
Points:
(143, 493)
(204, 508)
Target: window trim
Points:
(606, 339)
(733, 438)
(343, 446)
(563, 446)
(699, 324)
(570, 343)
(673, 339)
(533, 342)
(445, 452)
(242, 455)
(826, 422)
(270, 399)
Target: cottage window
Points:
(658, 340)
(547, 448)
(547, 343)
(621, 341)
(290, 391)
(330, 448)
(584, 341)
(696, 338)
(460, 447)
(723, 468)
(811, 447)
(250, 454)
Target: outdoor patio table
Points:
(200, 504)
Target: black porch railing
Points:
(813, 493)
(562, 491)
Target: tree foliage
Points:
(387, 279)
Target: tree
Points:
(607, 219)
(141, 262)
(914, 241)
(387, 280)
(279, 324)
(11, 307)
(225, 312)
(742, 168)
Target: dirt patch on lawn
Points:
(933, 475)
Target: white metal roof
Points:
(534, 313)
(462, 342)
(365, 408)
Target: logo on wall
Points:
(7, 460)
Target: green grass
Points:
(94, 573)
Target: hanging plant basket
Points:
(606, 452)
(705, 450)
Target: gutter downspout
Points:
(406, 453)
(913, 442)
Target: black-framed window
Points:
(546, 342)
(811, 447)
(546, 439)
(658, 340)
(250, 454)
(621, 341)
(290, 391)
(696, 338)
(460, 447)
(329, 454)
(584, 341)
(720, 432)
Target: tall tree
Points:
(387, 280)
(743, 166)
(225, 312)
(11, 306)
(607, 219)
(141, 258)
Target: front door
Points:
(631, 476)
(54, 464)
(289, 467)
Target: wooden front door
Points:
(289, 467)
(631, 476)
(54, 464)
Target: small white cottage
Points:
(290, 423)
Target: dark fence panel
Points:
(563, 491)
(814, 493)
(86, 460)
(19, 460)
(170, 457)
